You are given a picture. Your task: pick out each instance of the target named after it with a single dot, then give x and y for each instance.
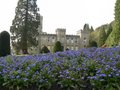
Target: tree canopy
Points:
(102, 37)
(114, 37)
(25, 24)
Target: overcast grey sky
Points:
(69, 14)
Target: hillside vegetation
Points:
(100, 35)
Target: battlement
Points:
(73, 42)
(60, 30)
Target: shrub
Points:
(4, 43)
(93, 44)
(45, 50)
(57, 47)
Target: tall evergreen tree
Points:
(114, 38)
(116, 31)
(109, 29)
(24, 26)
(102, 37)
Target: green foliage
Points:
(102, 38)
(85, 69)
(114, 38)
(118, 65)
(94, 36)
(111, 39)
(4, 43)
(109, 28)
(45, 50)
(116, 31)
(57, 47)
(101, 34)
(92, 44)
(24, 27)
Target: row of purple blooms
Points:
(92, 65)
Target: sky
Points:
(68, 14)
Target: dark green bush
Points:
(4, 43)
(92, 44)
(45, 50)
(58, 47)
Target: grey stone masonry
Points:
(72, 42)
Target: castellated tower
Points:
(40, 33)
(84, 36)
(61, 36)
(41, 25)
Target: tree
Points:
(114, 38)
(109, 29)
(45, 50)
(102, 37)
(57, 47)
(4, 43)
(116, 30)
(24, 27)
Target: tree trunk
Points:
(24, 40)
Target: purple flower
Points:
(117, 74)
(25, 79)
(102, 75)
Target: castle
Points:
(72, 42)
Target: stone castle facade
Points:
(72, 42)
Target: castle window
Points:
(72, 48)
(67, 38)
(67, 41)
(48, 39)
(62, 40)
(84, 41)
(84, 45)
(76, 48)
(72, 41)
(53, 39)
(84, 38)
(76, 41)
(67, 48)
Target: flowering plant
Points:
(85, 69)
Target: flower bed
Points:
(85, 69)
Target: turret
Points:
(61, 36)
(40, 32)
